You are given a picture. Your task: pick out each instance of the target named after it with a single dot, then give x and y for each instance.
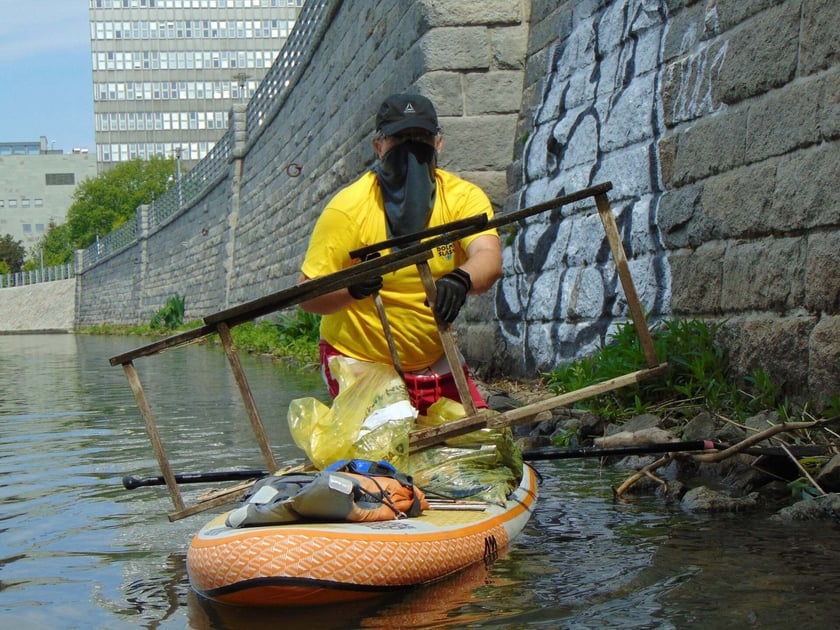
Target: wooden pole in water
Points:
(247, 396)
(154, 435)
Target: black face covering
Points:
(406, 176)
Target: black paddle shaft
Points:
(620, 451)
(130, 481)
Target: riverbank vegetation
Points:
(699, 377)
(784, 442)
(290, 336)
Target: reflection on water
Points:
(427, 607)
(79, 551)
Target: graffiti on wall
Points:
(600, 119)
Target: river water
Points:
(79, 551)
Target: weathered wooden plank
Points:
(623, 269)
(389, 337)
(247, 396)
(448, 341)
(551, 204)
(173, 341)
(154, 435)
(318, 286)
(477, 223)
(424, 438)
(221, 497)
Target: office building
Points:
(166, 72)
(36, 187)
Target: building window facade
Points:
(169, 79)
(60, 179)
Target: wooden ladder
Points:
(417, 250)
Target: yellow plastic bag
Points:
(484, 464)
(369, 419)
(445, 410)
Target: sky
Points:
(46, 84)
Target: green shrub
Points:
(291, 335)
(171, 315)
(698, 376)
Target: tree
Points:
(56, 245)
(12, 253)
(103, 203)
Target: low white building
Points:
(37, 185)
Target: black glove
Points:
(452, 292)
(365, 287)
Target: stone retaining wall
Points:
(247, 236)
(716, 121)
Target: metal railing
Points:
(36, 276)
(113, 242)
(193, 184)
(313, 19)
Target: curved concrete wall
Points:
(47, 307)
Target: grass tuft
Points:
(699, 377)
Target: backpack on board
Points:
(349, 490)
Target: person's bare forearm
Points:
(327, 303)
(484, 263)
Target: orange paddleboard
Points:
(305, 564)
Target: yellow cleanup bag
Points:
(369, 419)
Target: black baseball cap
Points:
(406, 111)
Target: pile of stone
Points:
(757, 478)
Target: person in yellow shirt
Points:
(403, 193)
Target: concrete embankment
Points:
(38, 308)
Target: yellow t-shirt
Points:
(355, 218)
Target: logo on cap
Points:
(409, 109)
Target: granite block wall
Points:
(716, 121)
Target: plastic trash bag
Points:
(446, 410)
(482, 465)
(369, 419)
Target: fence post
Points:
(239, 122)
(78, 262)
(144, 229)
